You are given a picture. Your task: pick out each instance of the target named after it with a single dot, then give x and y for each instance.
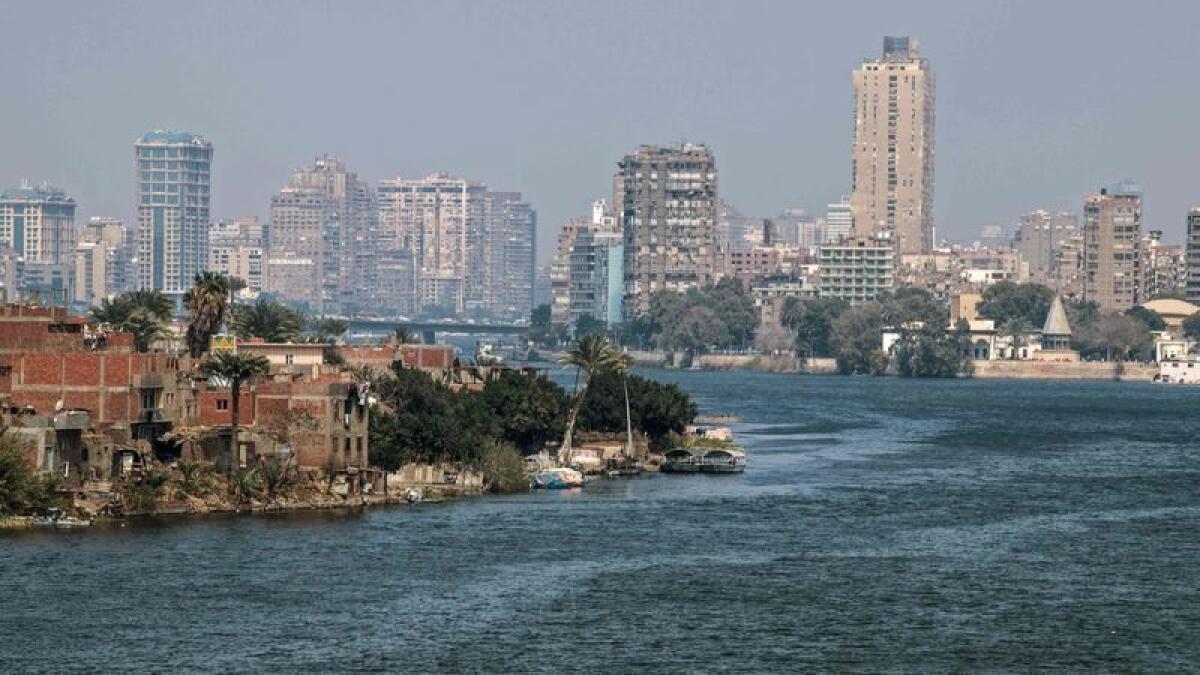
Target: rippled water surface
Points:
(882, 524)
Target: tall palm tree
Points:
(268, 321)
(590, 354)
(235, 369)
(154, 302)
(207, 302)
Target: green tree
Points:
(656, 409)
(267, 320)
(530, 409)
(1149, 317)
(206, 302)
(588, 325)
(813, 322)
(589, 355)
(236, 369)
(1006, 300)
(1114, 336)
(856, 338)
(1191, 327)
(694, 330)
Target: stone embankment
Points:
(1053, 370)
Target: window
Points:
(222, 404)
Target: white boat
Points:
(557, 479)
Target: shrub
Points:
(503, 468)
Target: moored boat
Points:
(557, 479)
(705, 451)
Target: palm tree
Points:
(235, 369)
(590, 354)
(268, 321)
(154, 302)
(206, 302)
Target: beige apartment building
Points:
(1112, 228)
(893, 151)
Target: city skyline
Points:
(1024, 137)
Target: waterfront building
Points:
(324, 215)
(38, 224)
(1112, 224)
(174, 188)
(857, 270)
(1192, 254)
(839, 222)
(893, 147)
(666, 200)
(770, 296)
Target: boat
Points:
(56, 518)
(706, 451)
(557, 479)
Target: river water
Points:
(882, 524)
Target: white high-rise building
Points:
(38, 224)
(174, 187)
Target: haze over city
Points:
(1038, 104)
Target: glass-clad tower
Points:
(173, 177)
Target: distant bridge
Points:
(429, 329)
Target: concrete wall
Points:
(1065, 370)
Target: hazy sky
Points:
(1038, 103)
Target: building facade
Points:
(174, 172)
(1112, 229)
(324, 215)
(1192, 253)
(893, 148)
(666, 199)
(38, 224)
(857, 270)
(597, 276)
(1039, 237)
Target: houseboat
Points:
(706, 451)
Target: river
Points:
(882, 524)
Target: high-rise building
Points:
(323, 225)
(114, 242)
(893, 150)
(235, 249)
(666, 200)
(839, 222)
(38, 224)
(174, 187)
(89, 273)
(431, 217)
(1040, 235)
(1162, 268)
(472, 249)
(1192, 282)
(560, 270)
(1112, 228)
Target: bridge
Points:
(429, 329)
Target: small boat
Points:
(681, 460)
(56, 518)
(557, 479)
